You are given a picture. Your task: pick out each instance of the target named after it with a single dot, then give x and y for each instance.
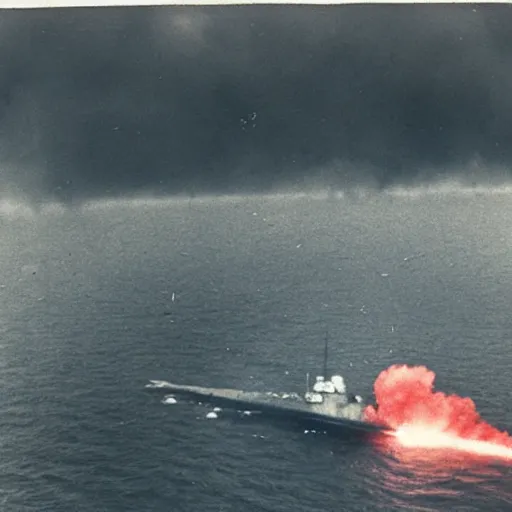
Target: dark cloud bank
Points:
(108, 102)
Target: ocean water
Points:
(239, 292)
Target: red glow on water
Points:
(423, 418)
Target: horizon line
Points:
(51, 4)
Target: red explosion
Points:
(422, 417)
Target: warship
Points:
(326, 406)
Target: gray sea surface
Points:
(239, 292)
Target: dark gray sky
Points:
(115, 101)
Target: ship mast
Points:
(326, 353)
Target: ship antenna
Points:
(307, 382)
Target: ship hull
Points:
(289, 407)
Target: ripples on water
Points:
(86, 317)
(414, 477)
